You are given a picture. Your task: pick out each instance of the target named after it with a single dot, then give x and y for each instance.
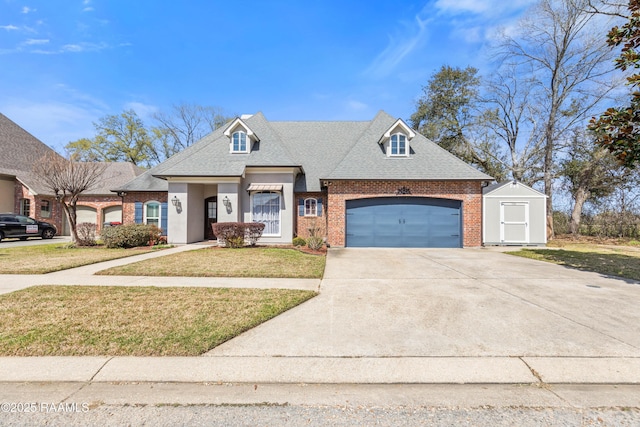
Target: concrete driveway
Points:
(452, 302)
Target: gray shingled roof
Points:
(115, 175)
(21, 150)
(324, 150)
(144, 182)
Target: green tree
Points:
(590, 173)
(120, 138)
(446, 113)
(618, 128)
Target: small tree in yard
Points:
(68, 180)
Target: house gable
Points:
(241, 137)
(397, 139)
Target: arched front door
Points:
(210, 216)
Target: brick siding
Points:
(469, 192)
(58, 216)
(304, 223)
(128, 207)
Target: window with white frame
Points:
(152, 213)
(25, 207)
(265, 208)
(239, 142)
(310, 207)
(398, 146)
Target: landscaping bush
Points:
(299, 241)
(86, 234)
(132, 235)
(315, 242)
(253, 231)
(234, 234)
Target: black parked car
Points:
(23, 227)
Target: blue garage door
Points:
(404, 222)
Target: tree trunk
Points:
(581, 197)
(71, 215)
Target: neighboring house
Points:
(369, 183)
(22, 192)
(514, 214)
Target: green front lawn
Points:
(614, 260)
(40, 259)
(225, 262)
(133, 321)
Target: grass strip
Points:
(223, 262)
(39, 259)
(133, 321)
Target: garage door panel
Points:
(403, 222)
(86, 214)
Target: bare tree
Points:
(184, 125)
(68, 179)
(559, 46)
(514, 119)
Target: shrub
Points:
(253, 231)
(299, 241)
(86, 234)
(132, 235)
(234, 234)
(315, 242)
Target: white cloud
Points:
(144, 111)
(54, 123)
(354, 105)
(9, 27)
(480, 7)
(83, 47)
(31, 42)
(27, 9)
(413, 36)
(88, 9)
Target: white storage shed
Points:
(513, 214)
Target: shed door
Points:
(514, 222)
(407, 222)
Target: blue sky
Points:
(65, 64)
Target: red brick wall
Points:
(128, 207)
(303, 223)
(58, 216)
(469, 192)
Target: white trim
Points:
(399, 123)
(144, 212)
(526, 222)
(238, 122)
(315, 207)
(406, 145)
(280, 199)
(516, 197)
(247, 142)
(205, 179)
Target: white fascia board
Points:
(399, 123)
(239, 123)
(205, 179)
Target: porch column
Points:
(228, 202)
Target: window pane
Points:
(153, 210)
(266, 209)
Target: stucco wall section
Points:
(469, 192)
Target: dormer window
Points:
(397, 139)
(398, 145)
(241, 137)
(239, 142)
